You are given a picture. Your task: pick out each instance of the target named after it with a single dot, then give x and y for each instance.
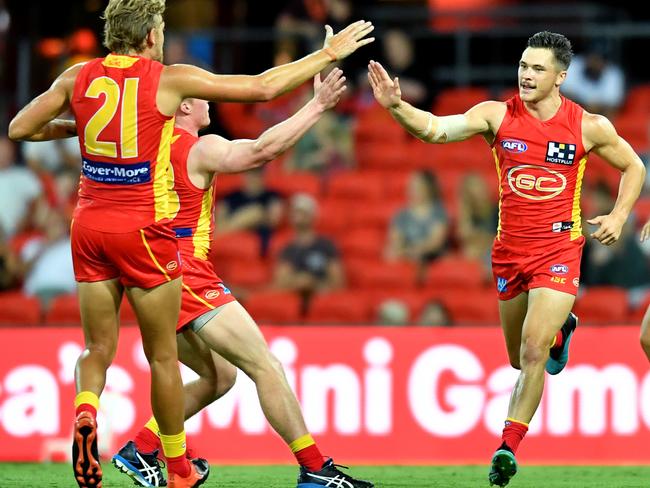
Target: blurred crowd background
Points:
(360, 223)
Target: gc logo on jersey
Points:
(536, 182)
(560, 153)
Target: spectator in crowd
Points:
(19, 191)
(9, 265)
(47, 260)
(309, 263)
(419, 231)
(478, 218)
(393, 312)
(434, 314)
(253, 207)
(595, 82)
(52, 156)
(622, 264)
(399, 52)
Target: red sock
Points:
(86, 407)
(559, 340)
(513, 433)
(310, 457)
(179, 465)
(146, 441)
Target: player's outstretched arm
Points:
(37, 120)
(215, 154)
(601, 138)
(191, 82)
(424, 125)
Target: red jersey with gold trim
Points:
(540, 165)
(125, 144)
(193, 223)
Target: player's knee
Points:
(225, 381)
(533, 351)
(105, 350)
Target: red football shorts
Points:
(144, 258)
(557, 268)
(203, 290)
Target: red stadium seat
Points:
(634, 128)
(477, 307)
(362, 242)
(334, 216)
(370, 274)
(290, 183)
(64, 310)
(249, 273)
(637, 100)
(356, 187)
(636, 315)
(341, 307)
(234, 245)
(377, 217)
(384, 156)
(19, 309)
(376, 124)
(274, 307)
(227, 183)
(455, 272)
(458, 100)
(602, 305)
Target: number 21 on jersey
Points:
(128, 121)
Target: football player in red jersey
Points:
(645, 324)
(121, 238)
(213, 325)
(540, 142)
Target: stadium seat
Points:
(289, 183)
(339, 308)
(458, 100)
(226, 183)
(371, 274)
(364, 242)
(334, 216)
(455, 272)
(602, 305)
(64, 310)
(415, 300)
(377, 217)
(248, 273)
(635, 316)
(357, 187)
(637, 99)
(234, 245)
(384, 156)
(376, 124)
(274, 307)
(477, 307)
(19, 309)
(634, 128)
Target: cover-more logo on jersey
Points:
(536, 182)
(560, 152)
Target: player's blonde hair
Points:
(127, 23)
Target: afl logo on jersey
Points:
(514, 146)
(535, 182)
(211, 294)
(560, 269)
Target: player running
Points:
(540, 142)
(124, 105)
(213, 325)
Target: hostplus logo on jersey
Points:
(560, 153)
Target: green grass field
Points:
(59, 475)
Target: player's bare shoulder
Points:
(597, 131)
(489, 114)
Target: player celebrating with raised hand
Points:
(540, 142)
(213, 325)
(123, 106)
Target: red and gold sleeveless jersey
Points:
(540, 165)
(193, 222)
(125, 144)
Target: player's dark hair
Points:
(557, 43)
